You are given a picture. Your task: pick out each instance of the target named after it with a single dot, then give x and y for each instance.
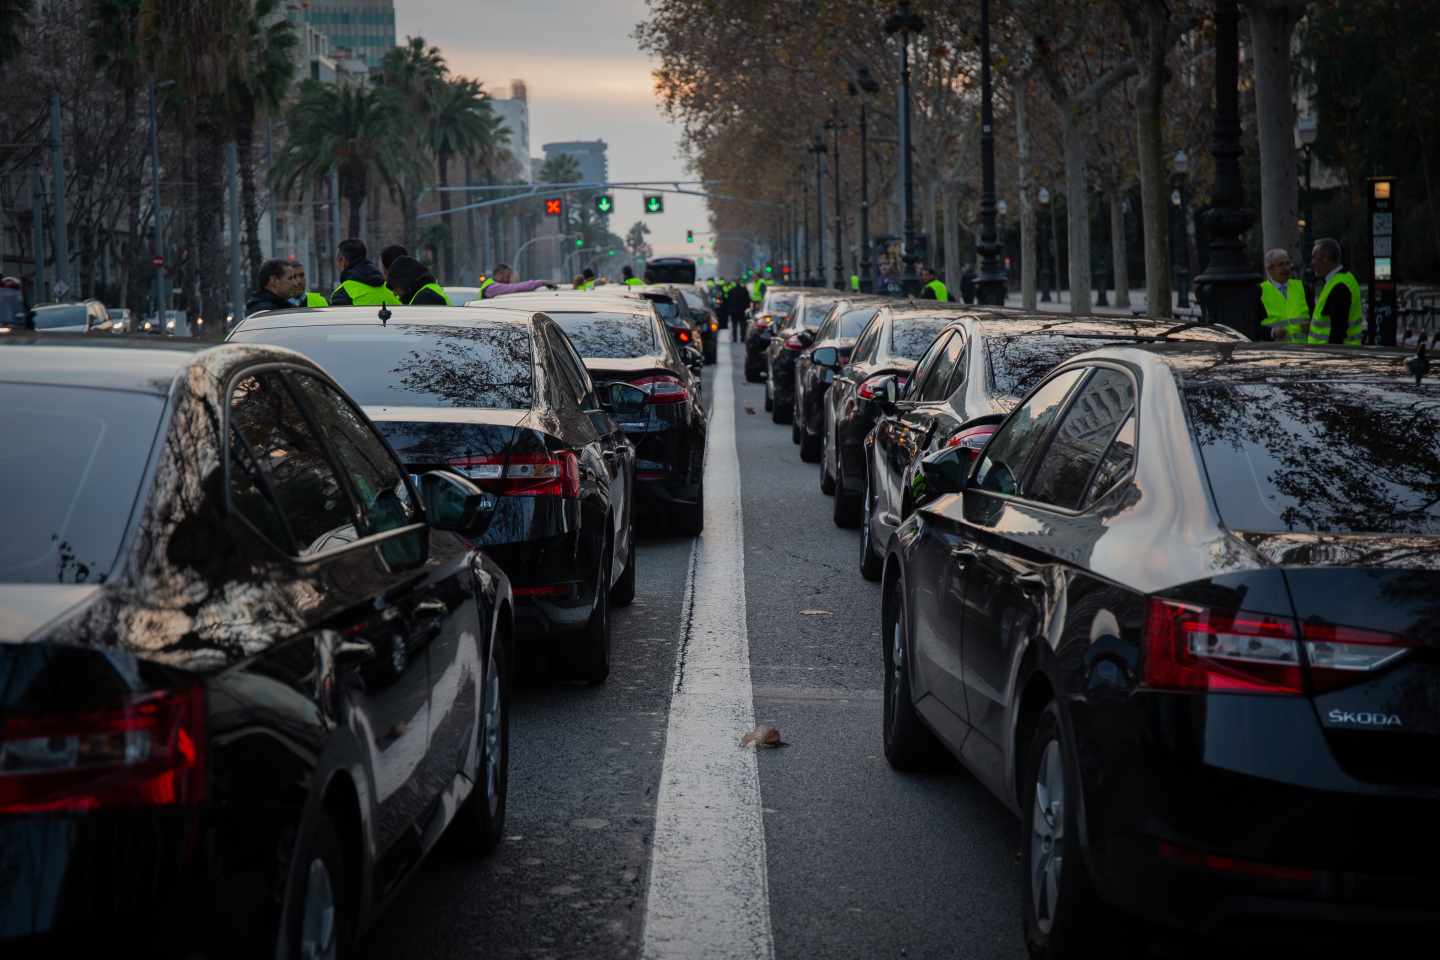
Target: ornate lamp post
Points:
(1181, 200)
(864, 82)
(990, 284)
(835, 126)
(1307, 129)
(1043, 271)
(1226, 289)
(906, 23)
(818, 148)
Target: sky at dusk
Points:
(587, 80)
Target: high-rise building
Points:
(364, 27)
(590, 154)
(515, 112)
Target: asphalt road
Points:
(859, 861)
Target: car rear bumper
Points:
(552, 581)
(850, 434)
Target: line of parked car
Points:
(264, 599)
(1168, 594)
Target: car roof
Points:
(140, 363)
(561, 301)
(1092, 326)
(1245, 362)
(436, 316)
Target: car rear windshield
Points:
(73, 459)
(1018, 363)
(1321, 456)
(485, 365)
(48, 318)
(911, 337)
(815, 313)
(605, 336)
(666, 309)
(780, 303)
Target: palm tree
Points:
(460, 117)
(358, 131)
(260, 87)
(413, 72)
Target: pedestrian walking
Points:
(272, 288)
(1338, 316)
(500, 282)
(737, 305)
(361, 282)
(932, 288)
(414, 284)
(628, 277)
(1283, 310)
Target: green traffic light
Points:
(654, 204)
(605, 203)
(579, 243)
(609, 253)
(769, 269)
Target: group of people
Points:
(399, 280)
(1288, 314)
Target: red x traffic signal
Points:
(554, 206)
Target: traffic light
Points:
(654, 203)
(579, 242)
(769, 269)
(554, 206)
(689, 236)
(604, 204)
(785, 269)
(610, 252)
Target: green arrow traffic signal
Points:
(654, 204)
(605, 203)
(579, 242)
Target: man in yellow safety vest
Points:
(361, 282)
(1282, 299)
(932, 287)
(1339, 316)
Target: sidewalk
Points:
(1138, 305)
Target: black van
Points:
(679, 270)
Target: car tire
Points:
(846, 510)
(784, 412)
(480, 823)
(623, 593)
(871, 565)
(809, 445)
(1063, 916)
(594, 654)
(690, 517)
(769, 401)
(909, 744)
(827, 479)
(318, 909)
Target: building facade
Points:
(364, 27)
(590, 154)
(515, 112)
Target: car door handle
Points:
(963, 554)
(431, 609)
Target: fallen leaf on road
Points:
(814, 613)
(762, 736)
(750, 410)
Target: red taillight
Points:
(148, 752)
(662, 388)
(1219, 864)
(682, 335)
(1193, 648)
(793, 342)
(974, 439)
(871, 389)
(524, 474)
(1339, 656)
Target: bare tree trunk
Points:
(1055, 247)
(953, 269)
(1076, 209)
(1029, 250)
(1272, 24)
(1118, 247)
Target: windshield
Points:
(910, 338)
(608, 335)
(815, 313)
(73, 459)
(485, 365)
(780, 303)
(1321, 456)
(853, 322)
(48, 318)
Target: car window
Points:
(1017, 362)
(936, 385)
(485, 365)
(73, 460)
(912, 336)
(1117, 463)
(1063, 472)
(48, 318)
(564, 361)
(922, 369)
(864, 350)
(827, 329)
(603, 336)
(280, 458)
(815, 313)
(1002, 466)
(375, 477)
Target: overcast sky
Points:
(587, 81)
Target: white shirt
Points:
(1338, 268)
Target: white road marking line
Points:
(709, 894)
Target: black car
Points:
(973, 374)
(887, 349)
(1180, 617)
(622, 341)
(837, 336)
(674, 313)
(500, 397)
(785, 346)
(703, 319)
(252, 672)
(770, 315)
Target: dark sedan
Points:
(786, 344)
(703, 319)
(500, 397)
(252, 672)
(770, 315)
(836, 336)
(972, 375)
(1180, 617)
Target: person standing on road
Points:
(588, 281)
(737, 304)
(1338, 317)
(272, 288)
(361, 283)
(300, 296)
(628, 277)
(389, 255)
(500, 283)
(931, 286)
(1284, 312)
(414, 284)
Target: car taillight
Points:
(662, 388)
(146, 752)
(871, 389)
(524, 474)
(1340, 656)
(973, 439)
(682, 335)
(1192, 648)
(793, 342)
(714, 325)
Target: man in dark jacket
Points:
(272, 288)
(389, 255)
(414, 285)
(736, 305)
(361, 283)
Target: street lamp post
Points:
(818, 148)
(904, 22)
(865, 83)
(1181, 200)
(1307, 129)
(835, 126)
(1044, 271)
(991, 283)
(807, 248)
(1226, 289)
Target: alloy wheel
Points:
(317, 923)
(897, 668)
(865, 509)
(494, 714)
(1047, 835)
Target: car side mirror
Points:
(945, 471)
(694, 359)
(623, 399)
(455, 504)
(806, 337)
(826, 357)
